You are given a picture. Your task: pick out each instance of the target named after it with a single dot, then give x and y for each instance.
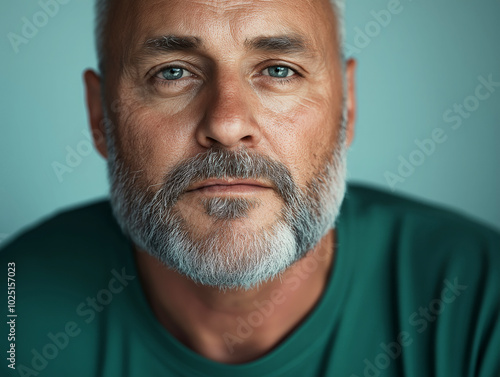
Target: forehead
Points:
(226, 22)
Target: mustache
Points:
(218, 163)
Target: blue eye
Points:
(278, 71)
(172, 73)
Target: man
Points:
(225, 125)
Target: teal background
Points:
(423, 61)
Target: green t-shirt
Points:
(414, 291)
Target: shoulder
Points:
(66, 270)
(439, 268)
(69, 232)
(412, 221)
(422, 246)
(69, 253)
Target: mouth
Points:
(221, 186)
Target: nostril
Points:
(247, 138)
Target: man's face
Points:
(206, 94)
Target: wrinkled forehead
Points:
(227, 23)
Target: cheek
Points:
(302, 131)
(152, 140)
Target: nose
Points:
(228, 119)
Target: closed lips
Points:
(224, 184)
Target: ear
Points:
(95, 111)
(351, 99)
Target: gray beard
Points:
(227, 257)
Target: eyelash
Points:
(168, 83)
(286, 80)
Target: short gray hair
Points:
(101, 16)
(339, 9)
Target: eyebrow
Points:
(171, 43)
(281, 43)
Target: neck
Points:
(236, 326)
